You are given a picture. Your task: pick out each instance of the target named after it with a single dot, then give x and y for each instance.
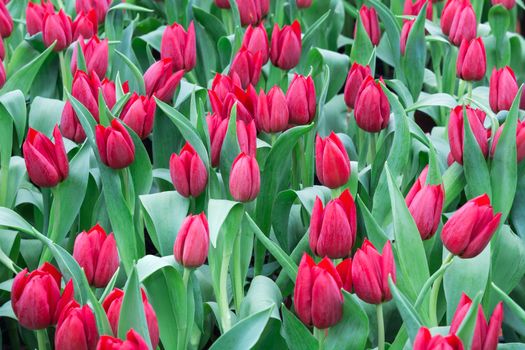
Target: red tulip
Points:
(245, 179)
(405, 32)
(425, 203)
(46, 163)
(85, 25)
(188, 172)
(272, 111)
(355, 78)
(6, 21)
(372, 111)
(223, 4)
(115, 146)
(96, 53)
(344, 269)
(425, 341)
(252, 11)
(76, 329)
(332, 164)
(247, 137)
(3, 77)
(246, 102)
(100, 6)
(472, 61)
(458, 21)
(35, 14)
(508, 4)
(133, 342)
(2, 50)
(57, 27)
(109, 91)
(333, 228)
(520, 140)
(413, 8)
(139, 114)
(191, 245)
(318, 300)
(502, 89)
(112, 305)
(160, 80)
(256, 40)
(370, 22)
(96, 252)
(179, 45)
(303, 4)
(370, 272)
(247, 67)
(222, 85)
(286, 46)
(470, 228)
(476, 118)
(301, 100)
(66, 301)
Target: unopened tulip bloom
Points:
(370, 22)
(508, 4)
(57, 27)
(301, 100)
(425, 341)
(344, 269)
(139, 114)
(85, 25)
(425, 203)
(161, 81)
(191, 245)
(370, 271)
(179, 45)
(472, 61)
(245, 178)
(96, 53)
(246, 102)
(502, 89)
(405, 32)
(96, 252)
(66, 301)
(46, 162)
(76, 329)
(355, 78)
(115, 146)
(272, 111)
(133, 342)
(100, 6)
(109, 91)
(476, 118)
(222, 85)
(413, 8)
(458, 21)
(372, 110)
(256, 40)
(332, 164)
(252, 11)
(247, 67)
(520, 140)
(286, 46)
(333, 228)
(112, 305)
(318, 300)
(35, 14)
(303, 4)
(470, 228)
(6, 21)
(188, 172)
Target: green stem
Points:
(186, 276)
(53, 219)
(372, 140)
(224, 306)
(469, 89)
(321, 336)
(63, 73)
(434, 293)
(461, 89)
(42, 339)
(4, 182)
(380, 327)
(238, 281)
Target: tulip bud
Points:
(370, 22)
(57, 27)
(344, 269)
(333, 229)
(85, 25)
(476, 118)
(35, 296)
(245, 179)
(413, 8)
(160, 80)
(193, 239)
(272, 111)
(425, 341)
(286, 46)
(188, 172)
(355, 78)
(247, 67)
(96, 54)
(458, 21)
(301, 100)
(112, 305)
(179, 46)
(35, 14)
(66, 301)
(372, 111)
(133, 342)
(115, 146)
(520, 140)
(370, 272)
(139, 114)
(247, 137)
(46, 163)
(100, 6)
(472, 61)
(405, 32)
(6, 21)
(256, 40)
(76, 329)
(109, 91)
(252, 11)
(303, 4)
(2, 74)
(96, 252)
(222, 85)
(318, 300)
(502, 89)
(425, 203)
(223, 4)
(246, 102)
(508, 4)
(470, 228)
(332, 164)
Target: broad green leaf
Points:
(362, 47)
(414, 60)
(410, 316)
(262, 294)
(45, 113)
(429, 100)
(297, 336)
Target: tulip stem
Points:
(469, 89)
(42, 339)
(186, 276)
(223, 301)
(63, 74)
(434, 293)
(380, 327)
(321, 336)
(238, 282)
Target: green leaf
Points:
(129, 7)
(362, 47)
(466, 329)
(297, 336)
(262, 294)
(453, 182)
(211, 24)
(392, 29)
(374, 232)
(45, 113)
(511, 304)
(410, 316)
(429, 100)
(137, 74)
(337, 63)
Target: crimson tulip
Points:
(303, 4)
(252, 11)
(76, 329)
(57, 27)
(458, 21)
(223, 4)
(6, 21)
(161, 81)
(109, 91)
(245, 178)
(286, 46)
(413, 8)
(85, 25)
(370, 22)
(246, 102)
(3, 77)
(344, 269)
(476, 118)
(508, 4)
(301, 100)
(96, 53)
(35, 14)
(191, 245)
(115, 146)
(179, 45)
(472, 61)
(139, 114)
(222, 85)
(405, 32)
(101, 7)
(502, 89)
(247, 137)
(247, 67)
(372, 110)
(133, 342)
(332, 164)
(355, 78)
(272, 111)
(256, 40)
(520, 140)
(425, 341)
(2, 50)
(188, 172)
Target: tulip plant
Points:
(262, 174)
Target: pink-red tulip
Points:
(318, 300)
(472, 60)
(100, 6)
(96, 53)
(35, 14)
(115, 146)
(6, 21)
(333, 228)
(139, 114)
(222, 85)
(286, 46)
(179, 45)
(109, 91)
(191, 245)
(476, 118)
(301, 100)
(247, 67)
(161, 81)
(57, 27)
(188, 172)
(413, 8)
(344, 269)
(252, 11)
(370, 271)
(502, 89)
(332, 164)
(85, 25)
(458, 21)
(245, 178)
(246, 102)
(405, 32)
(96, 252)
(508, 4)
(112, 305)
(76, 329)
(355, 78)
(520, 140)
(133, 342)
(272, 111)
(256, 40)
(470, 228)
(303, 4)
(425, 341)
(372, 110)
(46, 162)
(370, 22)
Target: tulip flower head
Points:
(101, 7)
(344, 269)
(520, 140)
(188, 172)
(301, 100)
(85, 25)
(369, 21)
(161, 81)
(303, 4)
(179, 45)
(456, 132)
(246, 66)
(115, 146)
(425, 341)
(6, 21)
(251, 12)
(133, 341)
(458, 21)
(245, 178)
(246, 102)
(35, 14)
(472, 61)
(139, 114)
(3, 77)
(96, 53)
(405, 32)
(502, 89)
(355, 78)
(372, 110)
(272, 111)
(191, 245)
(76, 328)
(413, 8)
(256, 40)
(286, 46)
(57, 27)
(332, 164)
(508, 4)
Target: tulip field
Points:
(262, 174)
